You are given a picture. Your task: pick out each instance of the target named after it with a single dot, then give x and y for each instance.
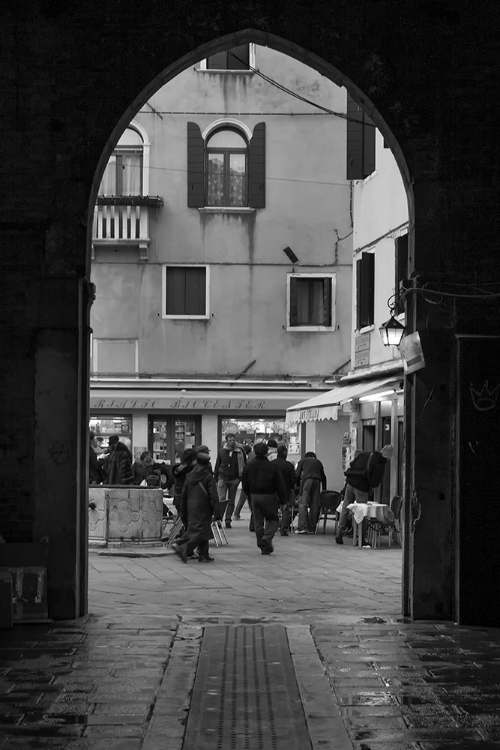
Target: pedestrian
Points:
(242, 498)
(96, 475)
(364, 473)
(289, 478)
(228, 471)
(263, 485)
(272, 446)
(311, 479)
(199, 506)
(119, 463)
(179, 474)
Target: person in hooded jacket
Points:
(199, 505)
(119, 465)
(179, 474)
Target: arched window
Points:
(226, 168)
(123, 173)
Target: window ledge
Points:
(229, 71)
(310, 329)
(226, 210)
(366, 329)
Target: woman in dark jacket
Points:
(199, 504)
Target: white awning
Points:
(325, 406)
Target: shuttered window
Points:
(310, 301)
(236, 58)
(185, 291)
(365, 290)
(401, 266)
(360, 142)
(226, 170)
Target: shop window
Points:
(227, 170)
(115, 356)
(311, 302)
(365, 290)
(360, 142)
(105, 425)
(169, 436)
(236, 58)
(249, 429)
(185, 291)
(123, 173)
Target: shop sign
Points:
(411, 352)
(220, 404)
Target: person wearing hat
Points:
(264, 486)
(119, 463)
(199, 505)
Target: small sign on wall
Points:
(412, 353)
(362, 350)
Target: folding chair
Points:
(220, 537)
(177, 528)
(329, 502)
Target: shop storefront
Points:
(356, 415)
(166, 422)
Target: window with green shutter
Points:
(365, 290)
(226, 170)
(185, 292)
(360, 142)
(236, 58)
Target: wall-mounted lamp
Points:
(391, 332)
(290, 254)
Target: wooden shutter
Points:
(195, 166)
(365, 289)
(257, 167)
(401, 268)
(360, 142)
(186, 290)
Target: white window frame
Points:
(95, 351)
(251, 62)
(164, 315)
(312, 329)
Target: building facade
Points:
(222, 257)
(366, 405)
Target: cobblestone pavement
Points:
(122, 677)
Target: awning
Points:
(325, 406)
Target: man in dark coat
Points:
(289, 478)
(119, 464)
(199, 505)
(263, 485)
(311, 479)
(178, 475)
(228, 471)
(96, 474)
(364, 473)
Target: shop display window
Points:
(170, 436)
(113, 424)
(248, 430)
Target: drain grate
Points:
(245, 695)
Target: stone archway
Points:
(82, 87)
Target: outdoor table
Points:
(360, 511)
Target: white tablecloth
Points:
(380, 511)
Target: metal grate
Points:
(245, 695)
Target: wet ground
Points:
(123, 677)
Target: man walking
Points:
(289, 479)
(263, 484)
(365, 472)
(228, 471)
(310, 477)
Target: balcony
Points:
(123, 220)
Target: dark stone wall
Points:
(73, 73)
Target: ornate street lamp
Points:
(391, 332)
